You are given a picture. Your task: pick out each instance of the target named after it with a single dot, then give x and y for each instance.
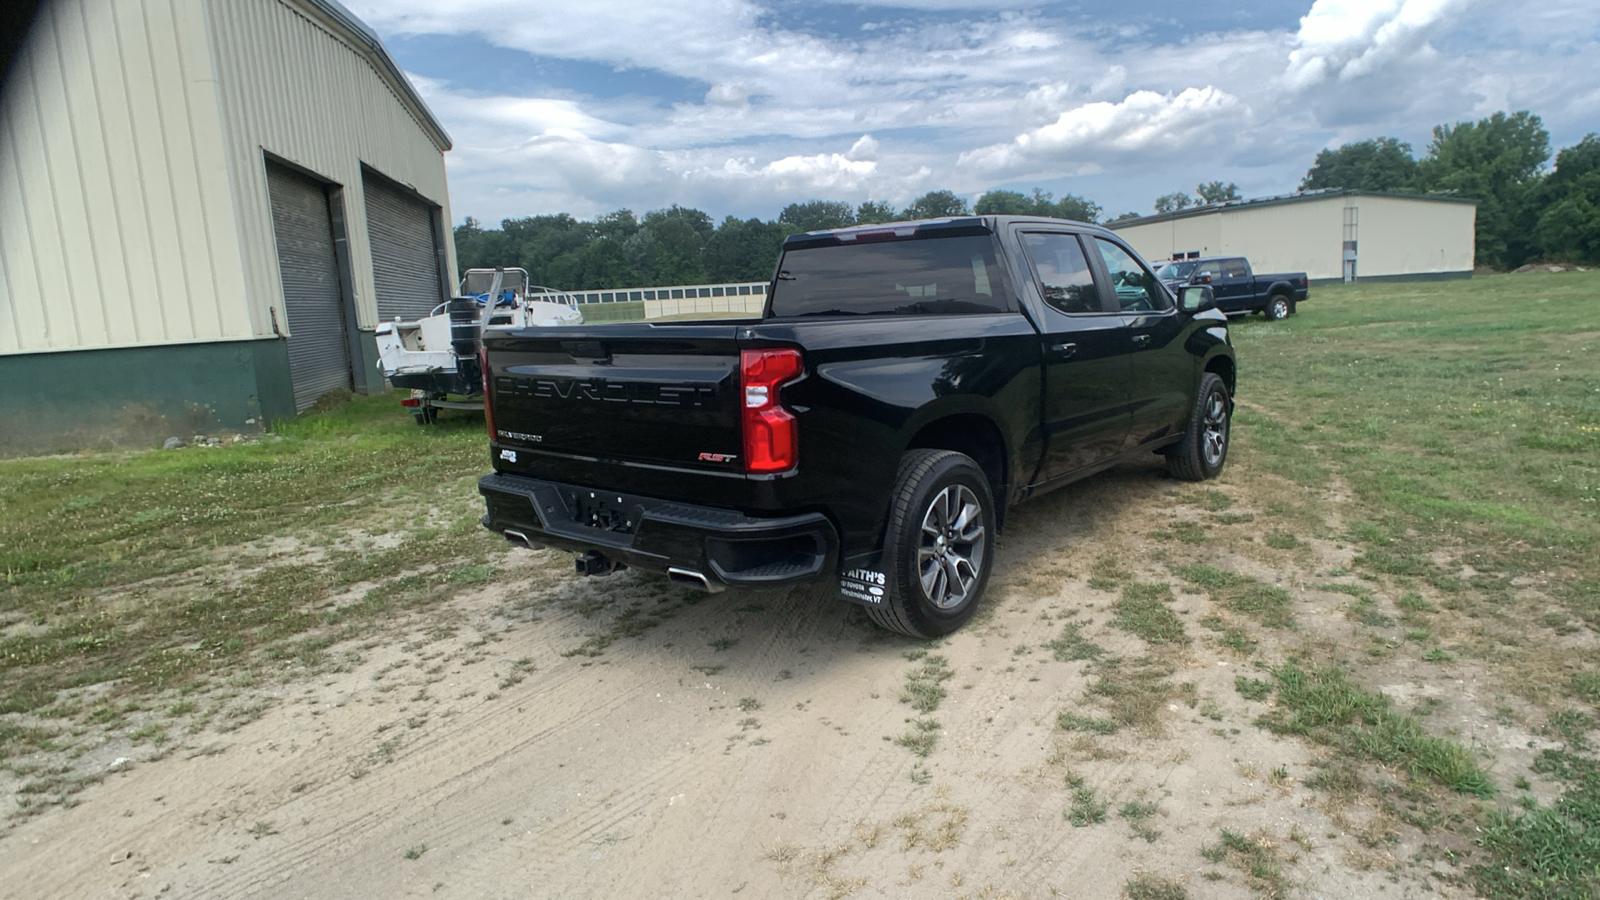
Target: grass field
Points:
(1447, 434)
(1462, 422)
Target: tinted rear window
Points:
(929, 276)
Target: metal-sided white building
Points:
(1331, 235)
(206, 207)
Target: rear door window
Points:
(955, 275)
(1063, 271)
(1234, 268)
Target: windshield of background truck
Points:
(919, 276)
(1175, 271)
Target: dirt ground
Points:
(550, 736)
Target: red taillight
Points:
(488, 403)
(411, 402)
(771, 434)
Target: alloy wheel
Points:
(950, 556)
(1214, 437)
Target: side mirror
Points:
(1196, 298)
(1202, 279)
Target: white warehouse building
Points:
(1332, 235)
(206, 207)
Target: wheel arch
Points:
(977, 436)
(1223, 367)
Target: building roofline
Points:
(334, 13)
(1298, 197)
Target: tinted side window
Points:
(1212, 267)
(1137, 289)
(922, 276)
(1064, 276)
(1233, 268)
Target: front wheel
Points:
(1204, 448)
(938, 547)
(1278, 308)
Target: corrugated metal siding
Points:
(290, 87)
(113, 183)
(405, 262)
(1292, 237)
(1395, 236)
(319, 358)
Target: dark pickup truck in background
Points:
(1237, 289)
(904, 387)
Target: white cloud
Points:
(1144, 124)
(1346, 39)
(759, 112)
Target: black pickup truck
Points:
(905, 385)
(1237, 288)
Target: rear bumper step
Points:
(702, 545)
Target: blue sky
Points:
(739, 107)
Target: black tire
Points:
(937, 561)
(1279, 307)
(1204, 449)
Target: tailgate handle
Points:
(1063, 351)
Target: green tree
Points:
(1004, 203)
(1077, 208)
(818, 215)
(1495, 161)
(1569, 223)
(1128, 216)
(1039, 203)
(1217, 192)
(936, 205)
(1173, 202)
(1381, 164)
(875, 212)
(745, 249)
(478, 248)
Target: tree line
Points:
(1524, 212)
(682, 245)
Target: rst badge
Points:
(718, 457)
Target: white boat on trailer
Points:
(436, 357)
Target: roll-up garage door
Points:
(405, 259)
(319, 354)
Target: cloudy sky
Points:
(739, 107)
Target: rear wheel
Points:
(1204, 448)
(1278, 308)
(938, 549)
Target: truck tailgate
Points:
(651, 395)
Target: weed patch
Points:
(924, 688)
(1270, 605)
(1142, 610)
(1326, 707)
(1071, 645)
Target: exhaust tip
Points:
(517, 537)
(691, 578)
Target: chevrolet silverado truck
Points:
(904, 387)
(1237, 289)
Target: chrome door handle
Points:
(1141, 339)
(1063, 351)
